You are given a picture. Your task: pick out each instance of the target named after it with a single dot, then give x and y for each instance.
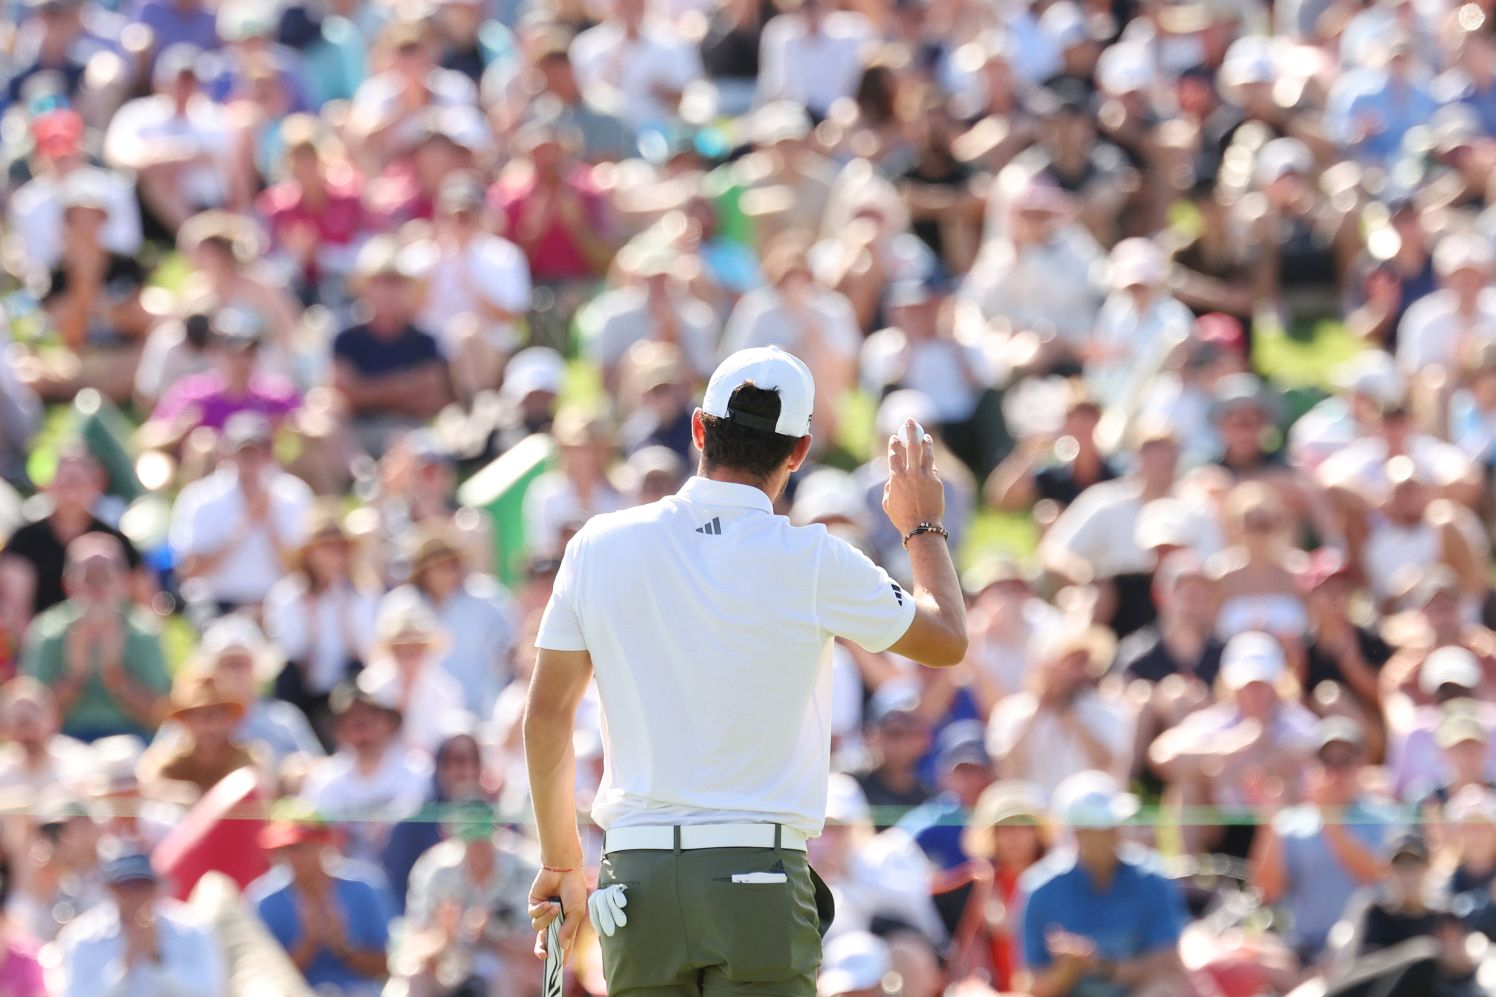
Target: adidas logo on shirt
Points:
(712, 529)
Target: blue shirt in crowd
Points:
(1319, 888)
(363, 903)
(1139, 913)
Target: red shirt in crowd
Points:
(556, 254)
(338, 221)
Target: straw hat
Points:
(409, 621)
(579, 427)
(1098, 643)
(431, 542)
(324, 525)
(199, 690)
(1007, 802)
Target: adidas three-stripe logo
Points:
(712, 529)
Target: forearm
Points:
(370, 962)
(1267, 865)
(304, 952)
(937, 588)
(65, 694)
(553, 777)
(208, 561)
(1011, 486)
(1144, 969)
(138, 702)
(1056, 981)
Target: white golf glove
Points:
(605, 908)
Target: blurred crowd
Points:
(328, 322)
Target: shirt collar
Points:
(706, 491)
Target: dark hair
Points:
(751, 451)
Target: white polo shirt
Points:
(708, 620)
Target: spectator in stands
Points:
(390, 372)
(140, 942)
(1470, 830)
(883, 876)
(176, 141)
(561, 501)
(1258, 734)
(1094, 539)
(812, 56)
(227, 270)
(964, 770)
(459, 778)
(1051, 469)
(1005, 619)
(314, 214)
(321, 616)
(99, 655)
(1314, 856)
(235, 530)
(477, 289)
(35, 209)
(1448, 678)
(93, 303)
(329, 915)
(552, 208)
(373, 779)
(897, 737)
(36, 758)
(207, 749)
(1099, 918)
(32, 562)
(237, 382)
(404, 670)
(1009, 829)
(61, 880)
(474, 611)
(1342, 651)
(655, 307)
(856, 963)
(1061, 725)
(244, 663)
(465, 919)
(1395, 918)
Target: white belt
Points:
(697, 836)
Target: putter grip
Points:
(551, 977)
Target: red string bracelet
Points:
(551, 868)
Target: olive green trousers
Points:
(694, 932)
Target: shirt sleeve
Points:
(146, 662)
(857, 599)
(41, 657)
(561, 624)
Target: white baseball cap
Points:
(772, 369)
(536, 368)
(1092, 799)
(857, 960)
(845, 802)
(1136, 261)
(1448, 665)
(1252, 657)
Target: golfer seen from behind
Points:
(707, 620)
